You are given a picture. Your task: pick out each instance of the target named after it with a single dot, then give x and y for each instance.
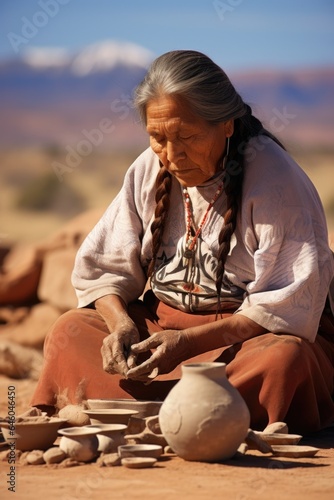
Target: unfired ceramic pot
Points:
(204, 418)
(110, 436)
(79, 443)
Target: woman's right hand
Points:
(116, 347)
(116, 350)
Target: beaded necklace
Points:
(192, 240)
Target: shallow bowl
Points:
(140, 450)
(144, 408)
(278, 438)
(110, 416)
(138, 462)
(32, 435)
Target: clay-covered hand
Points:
(172, 347)
(116, 350)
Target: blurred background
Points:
(68, 68)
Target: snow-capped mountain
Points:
(50, 96)
(100, 57)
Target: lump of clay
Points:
(74, 415)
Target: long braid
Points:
(162, 199)
(244, 128)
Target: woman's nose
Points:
(174, 151)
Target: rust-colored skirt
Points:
(281, 377)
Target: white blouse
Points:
(279, 267)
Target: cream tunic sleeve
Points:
(112, 258)
(284, 260)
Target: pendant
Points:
(188, 254)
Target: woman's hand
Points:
(116, 350)
(116, 347)
(172, 347)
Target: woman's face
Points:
(189, 147)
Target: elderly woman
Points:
(215, 248)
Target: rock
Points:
(55, 283)
(69, 462)
(31, 331)
(35, 457)
(19, 362)
(54, 455)
(20, 275)
(109, 460)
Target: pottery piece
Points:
(110, 436)
(144, 408)
(79, 443)
(294, 451)
(204, 418)
(33, 434)
(110, 416)
(278, 438)
(138, 462)
(150, 434)
(275, 427)
(255, 442)
(140, 450)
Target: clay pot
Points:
(79, 443)
(32, 433)
(110, 436)
(204, 418)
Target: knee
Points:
(67, 327)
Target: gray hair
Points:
(196, 78)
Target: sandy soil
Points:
(245, 477)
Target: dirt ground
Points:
(245, 477)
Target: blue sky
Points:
(237, 34)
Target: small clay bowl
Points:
(294, 451)
(277, 438)
(110, 416)
(140, 450)
(138, 462)
(144, 408)
(32, 435)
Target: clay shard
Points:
(254, 441)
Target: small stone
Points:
(4, 455)
(23, 457)
(109, 460)
(35, 457)
(69, 462)
(54, 455)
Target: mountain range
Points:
(53, 97)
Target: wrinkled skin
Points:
(116, 350)
(172, 347)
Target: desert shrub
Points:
(47, 193)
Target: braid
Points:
(163, 188)
(245, 128)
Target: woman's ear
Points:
(229, 127)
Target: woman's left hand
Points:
(172, 347)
